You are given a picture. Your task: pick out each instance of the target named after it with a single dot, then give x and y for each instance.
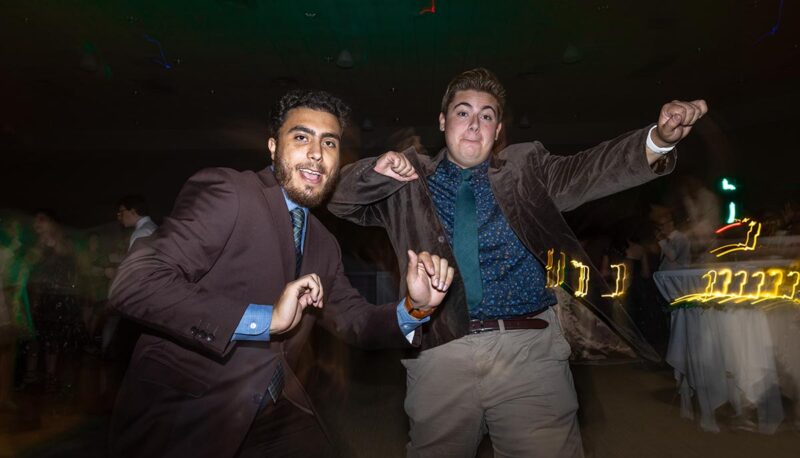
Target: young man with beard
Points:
(228, 289)
(493, 356)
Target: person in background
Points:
(132, 213)
(55, 305)
(676, 250)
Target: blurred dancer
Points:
(54, 296)
(499, 215)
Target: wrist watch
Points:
(415, 312)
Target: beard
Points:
(304, 195)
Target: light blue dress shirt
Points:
(257, 318)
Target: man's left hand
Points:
(676, 121)
(428, 277)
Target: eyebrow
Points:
(468, 105)
(312, 132)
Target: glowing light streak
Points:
(743, 273)
(749, 244)
(619, 284)
(728, 274)
(549, 268)
(556, 267)
(722, 293)
(778, 274)
(729, 226)
(760, 284)
(794, 286)
(583, 279)
(727, 186)
(712, 279)
(557, 272)
(731, 212)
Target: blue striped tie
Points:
(298, 219)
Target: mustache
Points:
(319, 168)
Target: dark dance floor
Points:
(628, 411)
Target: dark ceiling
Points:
(113, 81)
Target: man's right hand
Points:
(397, 166)
(296, 296)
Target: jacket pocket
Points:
(159, 373)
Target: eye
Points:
(300, 137)
(461, 114)
(487, 117)
(329, 143)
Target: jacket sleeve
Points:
(350, 317)
(362, 192)
(157, 283)
(605, 169)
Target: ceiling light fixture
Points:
(345, 59)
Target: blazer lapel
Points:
(281, 222)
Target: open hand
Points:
(428, 278)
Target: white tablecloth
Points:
(739, 354)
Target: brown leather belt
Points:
(518, 322)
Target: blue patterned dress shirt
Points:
(513, 279)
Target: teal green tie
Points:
(298, 219)
(465, 240)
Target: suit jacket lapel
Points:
(281, 222)
(313, 244)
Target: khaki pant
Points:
(515, 385)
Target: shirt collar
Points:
(453, 171)
(290, 204)
(142, 221)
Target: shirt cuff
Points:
(254, 324)
(408, 324)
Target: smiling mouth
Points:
(312, 176)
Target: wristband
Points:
(655, 148)
(414, 312)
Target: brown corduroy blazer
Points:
(532, 187)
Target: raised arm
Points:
(624, 162)
(364, 186)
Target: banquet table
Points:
(738, 353)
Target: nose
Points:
(315, 152)
(473, 123)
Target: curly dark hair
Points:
(316, 100)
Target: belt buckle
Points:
(481, 329)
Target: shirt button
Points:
(253, 325)
(440, 239)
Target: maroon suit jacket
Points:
(190, 390)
